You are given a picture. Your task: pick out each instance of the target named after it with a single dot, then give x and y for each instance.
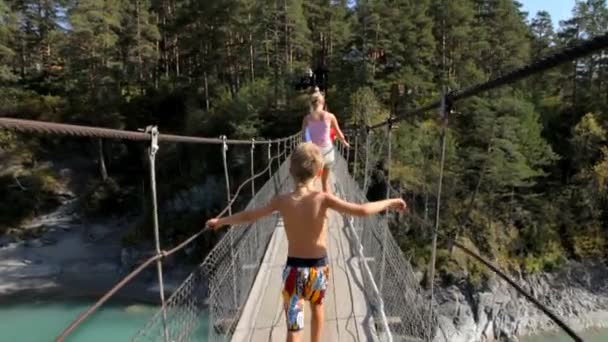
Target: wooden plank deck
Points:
(348, 316)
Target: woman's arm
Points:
(244, 216)
(334, 123)
(304, 124)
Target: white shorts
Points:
(328, 156)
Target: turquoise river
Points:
(42, 321)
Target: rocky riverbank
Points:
(578, 294)
(72, 258)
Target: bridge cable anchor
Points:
(153, 131)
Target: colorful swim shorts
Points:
(304, 280)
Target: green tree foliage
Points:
(526, 165)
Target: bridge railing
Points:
(400, 300)
(207, 306)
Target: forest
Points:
(526, 165)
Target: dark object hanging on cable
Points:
(321, 75)
(306, 81)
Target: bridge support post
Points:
(365, 175)
(347, 158)
(388, 194)
(152, 150)
(278, 155)
(355, 160)
(269, 160)
(253, 197)
(230, 231)
(444, 111)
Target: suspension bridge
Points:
(374, 294)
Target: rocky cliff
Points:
(578, 294)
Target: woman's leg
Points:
(325, 180)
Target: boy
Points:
(304, 210)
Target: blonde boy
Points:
(304, 210)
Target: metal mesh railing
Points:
(209, 302)
(402, 299)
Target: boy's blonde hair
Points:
(306, 161)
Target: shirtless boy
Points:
(304, 211)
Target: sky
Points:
(559, 9)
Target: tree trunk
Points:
(276, 67)
(140, 62)
(165, 54)
(267, 50)
(23, 58)
(176, 56)
(251, 54)
(102, 163)
(206, 85)
(286, 32)
(426, 205)
(156, 73)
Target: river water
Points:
(600, 335)
(43, 321)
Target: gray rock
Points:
(49, 241)
(6, 240)
(34, 243)
(578, 294)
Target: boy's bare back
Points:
(304, 219)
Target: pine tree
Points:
(501, 35)
(37, 34)
(94, 55)
(397, 38)
(7, 31)
(544, 91)
(593, 21)
(455, 19)
(543, 35)
(139, 38)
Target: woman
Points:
(317, 126)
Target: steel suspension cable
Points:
(44, 127)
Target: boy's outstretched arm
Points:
(244, 216)
(365, 209)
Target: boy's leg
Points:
(293, 303)
(294, 315)
(317, 320)
(318, 286)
